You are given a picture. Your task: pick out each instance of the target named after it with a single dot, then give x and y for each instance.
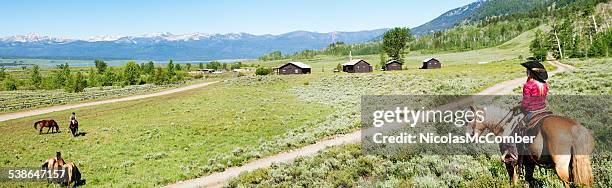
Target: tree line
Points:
(76, 80)
(579, 30)
(576, 31)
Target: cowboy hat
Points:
(537, 70)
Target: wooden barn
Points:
(393, 65)
(293, 68)
(431, 63)
(357, 66)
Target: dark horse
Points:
(558, 141)
(50, 124)
(74, 127)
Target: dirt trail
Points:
(220, 178)
(16, 115)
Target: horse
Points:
(74, 127)
(73, 175)
(559, 141)
(51, 124)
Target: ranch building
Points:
(293, 68)
(357, 66)
(431, 63)
(392, 65)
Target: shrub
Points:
(131, 73)
(76, 83)
(35, 77)
(262, 71)
(160, 76)
(10, 84)
(100, 65)
(2, 73)
(155, 156)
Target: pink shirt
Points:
(534, 95)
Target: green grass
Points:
(160, 140)
(183, 130)
(348, 166)
(22, 100)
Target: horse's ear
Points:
(472, 108)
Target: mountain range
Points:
(163, 46)
(203, 46)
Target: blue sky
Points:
(81, 18)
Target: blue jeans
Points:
(528, 115)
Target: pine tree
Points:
(538, 47)
(36, 78)
(100, 65)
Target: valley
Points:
(288, 110)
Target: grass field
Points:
(209, 129)
(184, 130)
(20, 100)
(348, 166)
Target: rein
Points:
(499, 124)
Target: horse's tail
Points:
(76, 174)
(45, 165)
(582, 146)
(36, 124)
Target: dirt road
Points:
(16, 115)
(220, 178)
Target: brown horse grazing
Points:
(51, 124)
(73, 175)
(558, 141)
(74, 127)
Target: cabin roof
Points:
(391, 61)
(299, 64)
(354, 61)
(429, 59)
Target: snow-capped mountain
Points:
(33, 37)
(103, 38)
(163, 46)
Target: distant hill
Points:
(163, 46)
(448, 19)
(478, 11)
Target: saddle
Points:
(536, 118)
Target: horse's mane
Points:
(495, 115)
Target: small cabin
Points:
(357, 66)
(392, 65)
(431, 63)
(293, 68)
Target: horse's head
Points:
(475, 128)
(495, 119)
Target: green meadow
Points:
(348, 166)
